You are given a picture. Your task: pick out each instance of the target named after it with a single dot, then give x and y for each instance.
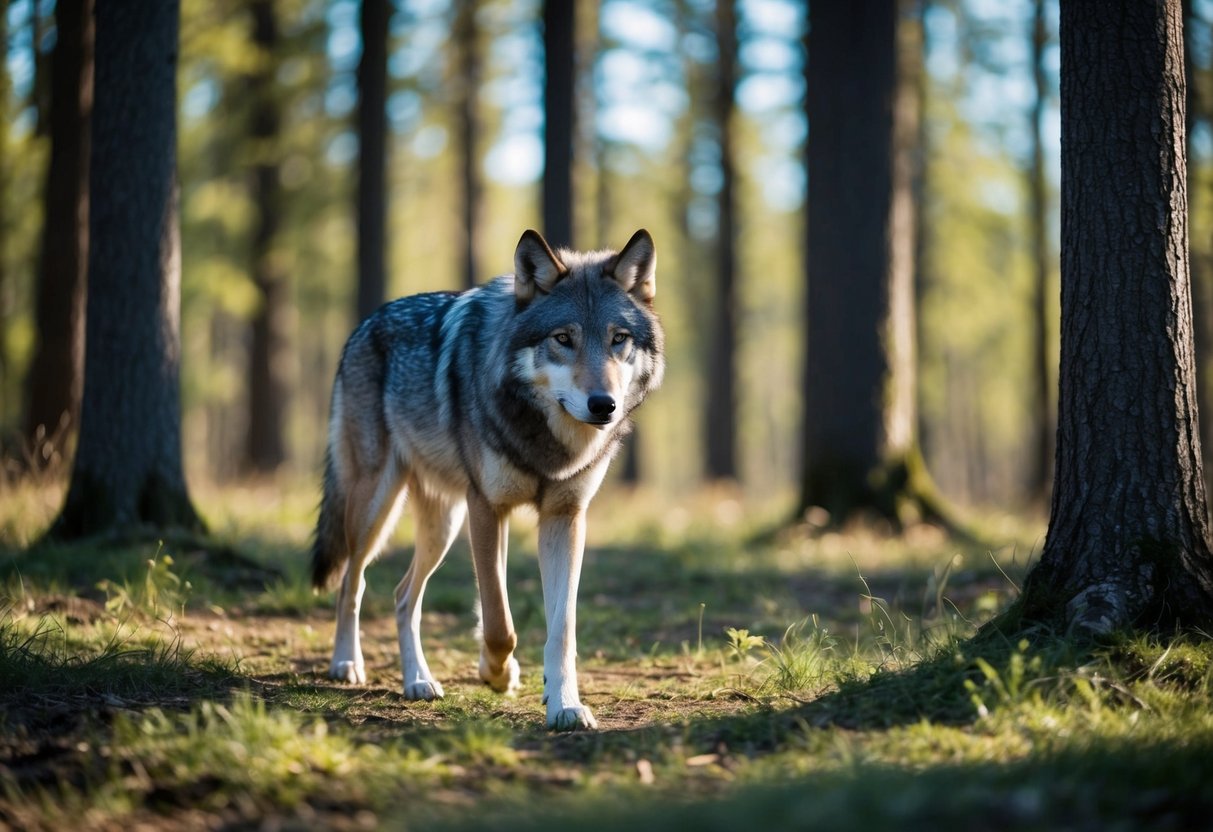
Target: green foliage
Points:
(274, 758)
(974, 271)
(876, 704)
(1011, 688)
(804, 661)
(162, 593)
(49, 661)
(741, 642)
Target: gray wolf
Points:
(515, 392)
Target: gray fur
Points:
(484, 393)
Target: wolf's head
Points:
(586, 338)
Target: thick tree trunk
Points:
(372, 157)
(127, 473)
(269, 351)
(721, 409)
(55, 379)
(467, 83)
(1128, 541)
(860, 421)
(559, 124)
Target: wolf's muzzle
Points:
(600, 405)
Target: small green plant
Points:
(162, 594)
(804, 657)
(1012, 687)
(741, 642)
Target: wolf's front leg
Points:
(561, 544)
(489, 527)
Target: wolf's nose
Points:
(600, 405)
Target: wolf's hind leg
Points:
(371, 512)
(438, 519)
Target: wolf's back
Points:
(393, 355)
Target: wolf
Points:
(512, 393)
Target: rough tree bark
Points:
(860, 421)
(372, 157)
(1128, 542)
(127, 473)
(55, 378)
(559, 122)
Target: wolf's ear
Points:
(635, 267)
(536, 267)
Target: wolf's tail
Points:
(329, 549)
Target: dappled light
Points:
(788, 412)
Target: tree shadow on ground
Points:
(1164, 786)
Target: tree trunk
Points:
(269, 352)
(55, 378)
(1128, 541)
(721, 405)
(467, 82)
(860, 421)
(372, 157)
(559, 37)
(127, 473)
(1040, 462)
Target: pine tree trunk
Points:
(55, 379)
(559, 37)
(269, 352)
(127, 473)
(1128, 541)
(467, 82)
(860, 421)
(721, 409)
(372, 157)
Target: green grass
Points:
(742, 680)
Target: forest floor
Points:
(740, 680)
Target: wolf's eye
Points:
(563, 339)
(620, 338)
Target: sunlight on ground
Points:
(785, 677)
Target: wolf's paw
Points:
(348, 671)
(576, 718)
(504, 682)
(423, 691)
